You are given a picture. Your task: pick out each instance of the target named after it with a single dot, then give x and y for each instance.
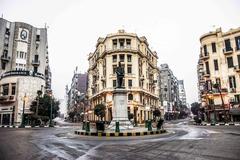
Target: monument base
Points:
(123, 125)
(120, 113)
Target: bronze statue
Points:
(120, 75)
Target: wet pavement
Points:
(181, 142)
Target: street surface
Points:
(183, 142)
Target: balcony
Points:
(224, 91)
(204, 56)
(35, 62)
(121, 48)
(227, 51)
(7, 32)
(237, 68)
(206, 74)
(7, 99)
(237, 49)
(103, 78)
(3, 97)
(201, 80)
(232, 90)
(5, 58)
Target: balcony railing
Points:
(227, 51)
(5, 58)
(204, 56)
(22, 73)
(232, 90)
(121, 48)
(237, 68)
(223, 91)
(35, 62)
(206, 74)
(7, 98)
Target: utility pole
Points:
(23, 116)
(51, 125)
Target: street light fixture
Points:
(23, 116)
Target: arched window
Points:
(130, 97)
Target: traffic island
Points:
(120, 134)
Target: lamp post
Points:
(51, 100)
(217, 86)
(23, 117)
(39, 93)
(211, 103)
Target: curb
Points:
(120, 134)
(6, 126)
(218, 124)
(9, 126)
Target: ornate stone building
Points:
(24, 68)
(219, 63)
(141, 74)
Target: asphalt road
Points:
(182, 142)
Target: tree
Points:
(71, 115)
(195, 108)
(130, 116)
(44, 107)
(156, 113)
(99, 110)
(183, 112)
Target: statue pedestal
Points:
(119, 110)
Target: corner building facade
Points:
(141, 75)
(219, 63)
(24, 68)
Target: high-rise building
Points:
(140, 80)
(182, 93)
(24, 68)
(219, 74)
(77, 93)
(169, 94)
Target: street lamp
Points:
(51, 100)
(39, 93)
(211, 103)
(217, 86)
(23, 117)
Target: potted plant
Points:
(99, 111)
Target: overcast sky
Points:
(172, 27)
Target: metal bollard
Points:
(149, 125)
(87, 127)
(146, 123)
(83, 125)
(117, 127)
